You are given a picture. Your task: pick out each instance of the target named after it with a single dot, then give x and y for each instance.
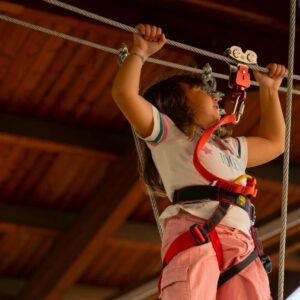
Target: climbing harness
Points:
(227, 193)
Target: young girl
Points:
(170, 118)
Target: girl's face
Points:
(205, 107)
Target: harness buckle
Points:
(197, 232)
(252, 213)
(267, 263)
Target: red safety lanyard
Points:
(249, 189)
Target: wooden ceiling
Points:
(75, 222)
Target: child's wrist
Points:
(139, 53)
(270, 89)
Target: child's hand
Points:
(272, 79)
(149, 41)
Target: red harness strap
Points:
(249, 189)
(187, 240)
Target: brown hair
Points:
(169, 98)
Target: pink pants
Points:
(193, 274)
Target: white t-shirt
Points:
(172, 152)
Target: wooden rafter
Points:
(50, 136)
(236, 12)
(73, 252)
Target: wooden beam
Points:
(76, 248)
(14, 218)
(52, 223)
(273, 228)
(36, 217)
(50, 136)
(12, 287)
(237, 12)
(273, 171)
(11, 7)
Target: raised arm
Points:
(269, 142)
(125, 89)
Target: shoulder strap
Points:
(249, 189)
(202, 141)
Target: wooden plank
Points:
(65, 80)
(93, 94)
(11, 7)
(38, 71)
(10, 164)
(85, 181)
(24, 193)
(12, 286)
(98, 143)
(54, 71)
(245, 15)
(19, 172)
(87, 67)
(103, 215)
(22, 62)
(51, 147)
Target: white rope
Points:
(125, 27)
(115, 51)
(286, 157)
(149, 191)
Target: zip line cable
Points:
(125, 27)
(116, 51)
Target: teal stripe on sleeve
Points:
(161, 130)
(239, 147)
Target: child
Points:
(170, 119)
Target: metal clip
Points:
(236, 53)
(238, 110)
(239, 77)
(207, 78)
(122, 53)
(210, 85)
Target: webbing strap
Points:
(237, 268)
(183, 242)
(249, 189)
(188, 239)
(200, 193)
(202, 141)
(215, 241)
(216, 217)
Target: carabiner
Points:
(122, 53)
(238, 109)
